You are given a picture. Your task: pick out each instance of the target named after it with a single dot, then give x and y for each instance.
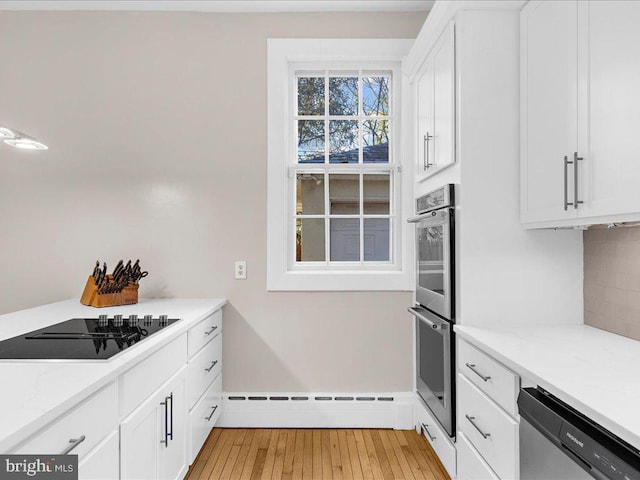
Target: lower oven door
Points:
(434, 359)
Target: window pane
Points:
(344, 194)
(310, 194)
(310, 240)
(345, 240)
(375, 95)
(311, 141)
(343, 141)
(310, 96)
(376, 239)
(375, 140)
(343, 96)
(376, 194)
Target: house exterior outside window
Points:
(335, 179)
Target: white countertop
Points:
(596, 372)
(36, 392)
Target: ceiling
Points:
(223, 5)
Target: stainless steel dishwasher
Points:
(559, 443)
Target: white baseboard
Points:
(318, 410)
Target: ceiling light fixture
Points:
(25, 143)
(6, 133)
(20, 140)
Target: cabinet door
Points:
(549, 111)
(173, 454)
(436, 108)
(103, 461)
(614, 100)
(444, 100)
(140, 442)
(424, 97)
(153, 439)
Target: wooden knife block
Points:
(91, 297)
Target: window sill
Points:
(349, 280)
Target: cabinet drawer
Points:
(203, 368)
(492, 432)
(95, 418)
(471, 465)
(103, 462)
(494, 379)
(203, 417)
(204, 331)
(438, 438)
(147, 376)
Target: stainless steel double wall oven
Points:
(435, 309)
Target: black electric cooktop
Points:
(83, 338)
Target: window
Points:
(343, 171)
(335, 180)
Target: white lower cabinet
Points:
(203, 417)
(437, 437)
(103, 462)
(491, 431)
(471, 465)
(151, 421)
(153, 439)
(488, 444)
(79, 428)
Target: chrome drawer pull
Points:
(471, 421)
(74, 443)
(473, 369)
(213, 364)
(208, 419)
(431, 437)
(213, 329)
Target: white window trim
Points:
(282, 53)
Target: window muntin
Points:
(342, 168)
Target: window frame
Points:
(285, 58)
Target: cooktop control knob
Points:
(133, 320)
(117, 320)
(148, 320)
(103, 321)
(164, 320)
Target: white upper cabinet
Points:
(580, 111)
(549, 82)
(613, 61)
(435, 93)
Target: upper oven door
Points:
(435, 261)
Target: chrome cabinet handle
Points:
(213, 364)
(213, 329)
(167, 435)
(471, 421)
(567, 162)
(576, 159)
(431, 437)
(208, 419)
(170, 397)
(425, 154)
(472, 367)
(74, 442)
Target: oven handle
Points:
(435, 325)
(423, 216)
(434, 217)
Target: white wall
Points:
(156, 124)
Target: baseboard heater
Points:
(317, 410)
(306, 398)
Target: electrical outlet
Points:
(241, 270)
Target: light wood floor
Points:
(298, 454)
